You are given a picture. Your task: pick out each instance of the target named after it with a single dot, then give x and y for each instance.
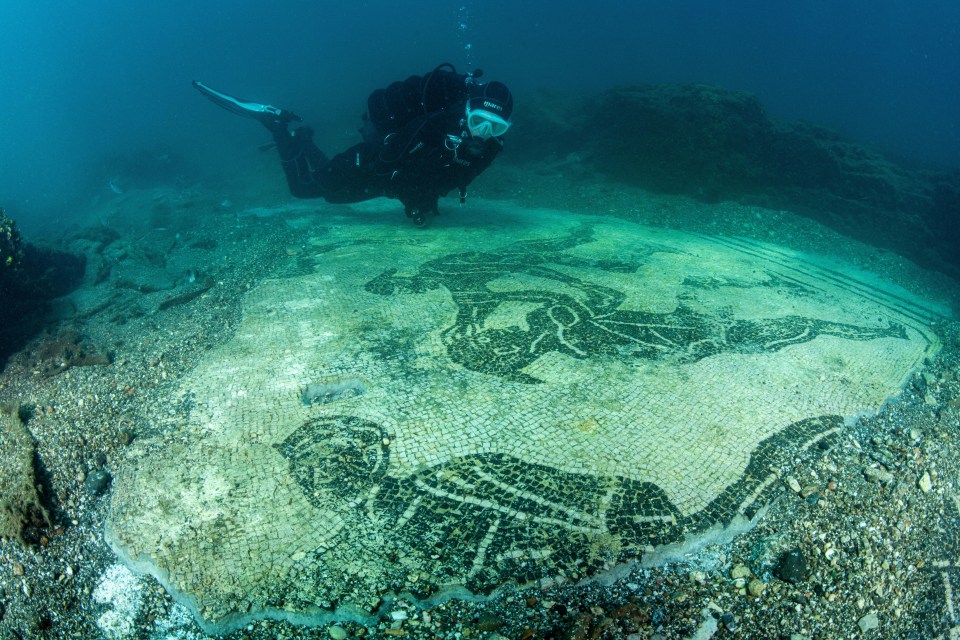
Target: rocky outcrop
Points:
(22, 513)
(714, 144)
(31, 276)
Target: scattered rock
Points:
(879, 476)
(337, 632)
(809, 490)
(97, 482)
(792, 567)
(186, 296)
(729, 621)
(489, 622)
(925, 482)
(740, 571)
(756, 587)
(869, 622)
(793, 484)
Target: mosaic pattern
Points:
(340, 457)
(582, 319)
(462, 409)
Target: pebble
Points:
(756, 587)
(869, 622)
(729, 621)
(97, 482)
(489, 622)
(808, 491)
(740, 571)
(878, 475)
(792, 567)
(925, 482)
(338, 633)
(794, 484)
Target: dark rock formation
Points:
(713, 144)
(30, 277)
(681, 139)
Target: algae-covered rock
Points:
(31, 276)
(21, 511)
(10, 244)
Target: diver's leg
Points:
(300, 158)
(303, 163)
(349, 176)
(346, 177)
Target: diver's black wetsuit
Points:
(415, 149)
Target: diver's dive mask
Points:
(485, 124)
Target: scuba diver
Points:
(422, 137)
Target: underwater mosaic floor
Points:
(537, 399)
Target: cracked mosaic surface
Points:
(406, 411)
